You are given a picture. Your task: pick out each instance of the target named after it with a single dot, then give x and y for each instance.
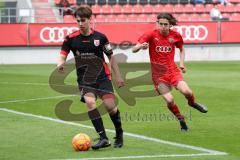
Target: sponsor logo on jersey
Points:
(163, 49)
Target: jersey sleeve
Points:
(145, 37)
(179, 42)
(65, 46)
(107, 48)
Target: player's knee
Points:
(112, 110)
(91, 104)
(187, 92)
(111, 107)
(170, 100)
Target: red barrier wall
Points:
(13, 35)
(53, 34)
(230, 32)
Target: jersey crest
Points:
(96, 42)
(171, 40)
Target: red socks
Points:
(174, 109)
(191, 100)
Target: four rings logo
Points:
(192, 33)
(165, 49)
(55, 34)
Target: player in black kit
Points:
(94, 77)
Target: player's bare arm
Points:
(182, 57)
(61, 62)
(116, 70)
(140, 46)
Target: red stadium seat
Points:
(226, 15)
(237, 7)
(194, 17)
(127, 9)
(47, 20)
(183, 17)
(72, 2)
(178, 8)
(230, 8)
(96, 9)
(152, 18)
(234, 1)
(68, 19)
(111, 18)
(157, 8)
(168, 8)
(57, 1)
(122, 18)
(235, 17)
(137, 9)
(100, 18)
(204, 17)
(148, 8)
(221, 7)
(199, 8)
(117, 9)
(188, 8)
(142, 18)
(106, 9)
(132, 18)
(208, 7)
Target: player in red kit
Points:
(165, 73)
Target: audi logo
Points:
(55, 34)
(192, 33)
(165, 49)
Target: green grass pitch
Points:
(28, 131)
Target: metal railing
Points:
(31, 15)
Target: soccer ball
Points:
(81, 142)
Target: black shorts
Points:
(99, 89)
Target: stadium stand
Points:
(112, 2)
(143, 2)
(153, 2)
(147, 9)
(135, 10)
(91, 2)
(101, 2)
(42, 12)
(133, 2)
(106, 9)
(117, 9)
(80, 2)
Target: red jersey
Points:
(162, 51)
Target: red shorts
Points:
(169, 79)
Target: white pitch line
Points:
(144, 156)
(207, 151)
(35, 84)
(35, 99)
(25, 83)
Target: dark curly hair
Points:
(83, 11)
(172, 20)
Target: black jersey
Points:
(88, 52)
